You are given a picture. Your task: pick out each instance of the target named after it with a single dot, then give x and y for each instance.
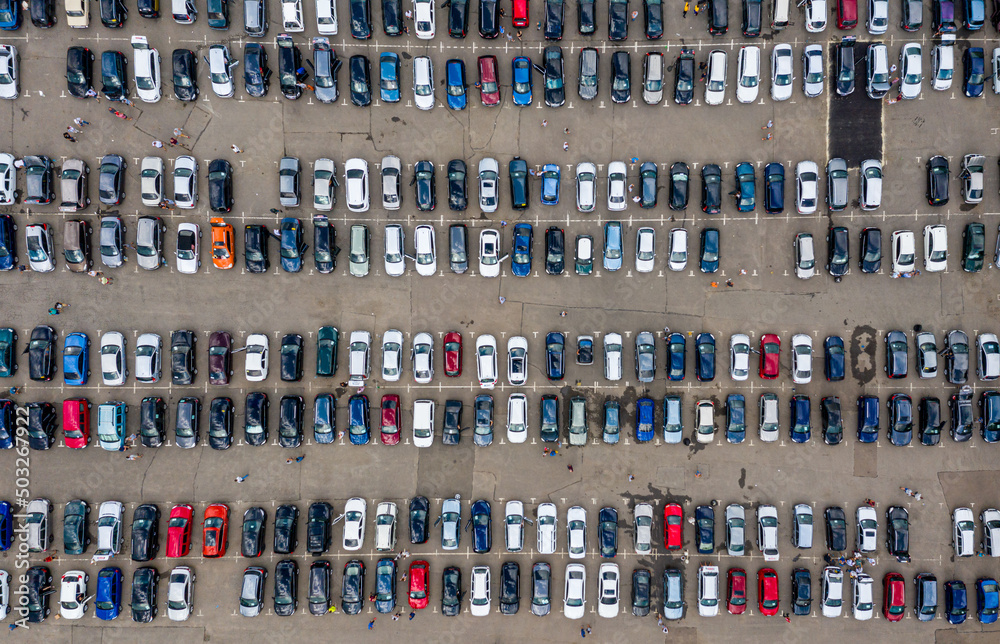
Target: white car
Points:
(188, 248)
(480, 597)
(147, 357)
(863, 601)
(425, 251)
(963, 532)
(586, 186)
(736, 527)
(256, 357)
(324, 184)
(220, 67)
(517, 360)
(832, 597)
(767, 532)
(708, 590)
(575, 591)
(805, 256)
(988, 364)
(943, 63)
(146, 65)
(739, 356)
(37, 516)
(715, 84)
(513, 534)
(812, 70)
(422, 357)
(423, 423)
(356, 175)
(996, 70)
(8, 179)
(877, 83)
(617, 197)
(990, 545)
(10, 80)
(489, 181)
(489, 253)
(576, 532)
(4, 594)
(802, 351)
(748, 74)
(391, 171)
(870, 176)
(113, 367)
(326, 17)
(291, 16)
(423, 18)
(645, 250)
(678, 249)
(904, 252)
(911, 74)
(705, 421)
(392, 355)
(878, 17)
(109, 531)
(41, 250)
(395, 259)
(423, 82)
(782, 74)
(802, 530)
(866, 529)
(186, 182)
(815, 16)
(972, 170)
(354, 523)
(935, 248)
(652, 82)
(358, 359)
(486, 361)
(806, 187)
(517, 418)
(179, 594)
(385, 526)
(612, 357)
(642, 539)
(545, 524)
(768, 417)
(151, 181)
(607, 590)
(73, 594)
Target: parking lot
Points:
(756, 257)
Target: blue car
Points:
(522, 80)
(736, 422)
(388, 70)
(607, 520)
(520, 258)
(612, 425)
(292, 245)
(7, 408)
(6, 525)
(75, 359)
(745, 187)
(8, 243)
(324, 419)
(868, 419)
(357, 423)
(644, 420)
(955, 601)
(900, 419)
(704, 528)
(987, 600)
(705, 360)
(108, 600)
(709, 254)
(974, 65)
(555, 355)
(975, 14)
(385, 585)
(550, 184)
(458, 98)
(482, 526)
(833, 363)
(676, 356)
(774, 188)
(10, 15)
(801, 430)
(613, 246)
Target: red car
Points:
(520, 11)
(179, 530)
(770, 353)
(673, 520)
(737, 603)
(767, 591)
(453, 354)
(220, 358)
(893, 596)
(847, 14)
(215, 533)
(76, 422)
(489, 90)
(418, 584)
(389, 424)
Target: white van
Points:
(943, 63)
(779, 15)
(423, 423)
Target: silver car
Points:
(652, 78)
(151, 181)
(586, 187)
(391, 170)
(149, 242)
(836, 184)
(8, 179)
(288, 182)
(324, 183)
(186, 182)
(927, 354)
(451, 519)
(812, 70)
(359, 255)
(73, 185)
(735, 530)
(489, 182)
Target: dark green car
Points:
(973, 247)
(326, 351)
(8, 352)
(75, 539)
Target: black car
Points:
(989, 415)
(185, 75)
(718, 17)
(324, 236)
(801, 586)
(956, 364)
(255, 240)
(648, 174)
(618, 19)
(458, 248)
(255, 418)
(351, 592)
(256, 73)
(896, 354)
(113, 14)
(555, 11)
(79, 71)
(41, 425)
(39, 587)
(286, 587)
(458, 196)
(589, 78)
(220, 185)
(43, 13)
(114, 80)
(289, 63)
(711, 189)
(152, 421)
(291, 357)
(75, 518)
(145, 532)
(318, 527)
(555, 251)
(653, 17)
(704, 527)
(549, 409)
(517, 171)
(510, 588)
(489, 18)
(607, 527)
(845, 66)
(186, 426)
(961, 415)
(838, 252)
(586, 12)
(419, 508)
(555, 92)
(753, 11)
(290, 410)
(361, 19)
(220, 423)
(973, 247)
(836, 529)
(318, 592)
(684, 78)
(774, 188)
(833, 425)
(324, 419)
(642, 582)
(679, 179)
(452, 427)
(182, 365)
(39, 188)
(286, 522)
(930, 420)
(938, 175)
(392, 17)
(451, 591)
(897, 535)
(252, 535)
(424, 185)
(143, 604)
(900, 419)
(621, 77)
(111, 180)
(871, 250)
(218, 14)
(148, 8)
(482, 431)
(41, 347)
(458, 18)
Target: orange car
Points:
(216, 531)
(222, 243)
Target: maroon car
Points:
(220, 358)
(389, 419)
(489, 89)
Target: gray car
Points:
(836, 184)
(588, 73)
(149, 242)
(360, 256)
(325, 65)
(112, 240)
(451, 519)
(289, 178)
(673, 593)
(645, 356)
(255, 18)
(73, 185)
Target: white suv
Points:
(514, 526)
(833, 591)
(146, 62)
(863, 602)
(517, 418)
(424, 250)
(359, 358)
(546, 526)
(613, 356)
(990, 544)
(480, 596)
(963, 532)
(708, 590)
(767, 531)
(486, 361)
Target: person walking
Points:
(565, 146)
(240, 479)
(179, 132)
(235, 148)
(72, 130)
(69, 137)
(157, 143)
(687, 5)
